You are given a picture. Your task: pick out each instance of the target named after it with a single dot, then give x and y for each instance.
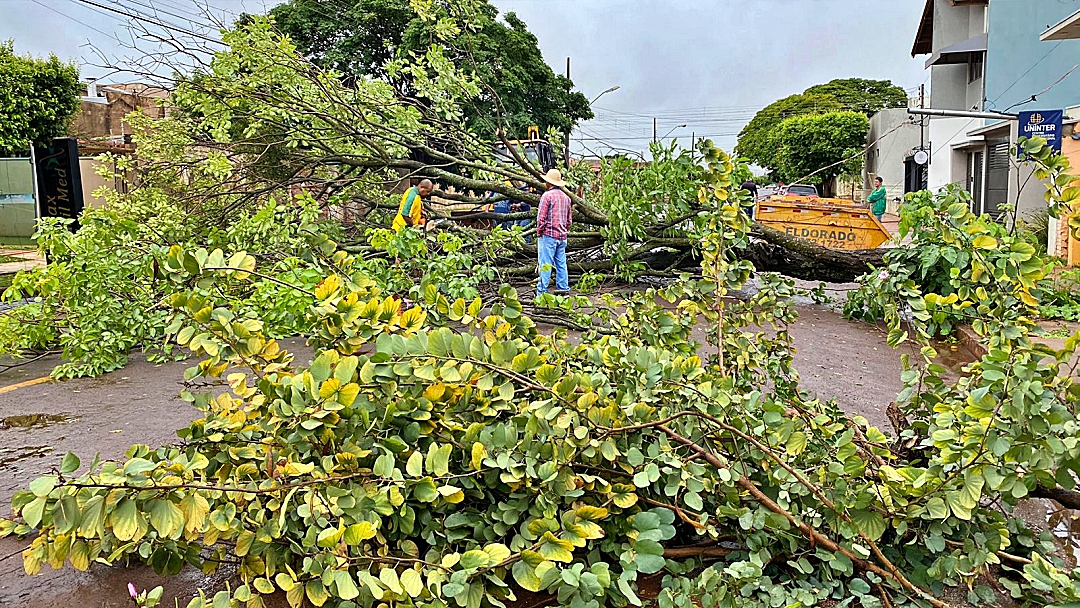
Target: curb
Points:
(969, 340)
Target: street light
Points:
(673, 130)
(611, 90)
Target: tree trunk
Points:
(796, 257)
(1070, 499)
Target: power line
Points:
(157, 10)
(1033, 66)
(1035, 97)
(63, 14)
(147, 19)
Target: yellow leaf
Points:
(479, 452)
(359, 532)
(329, 286)
(556, 549)
(412, 320)
(435, 392)
(452, 494)
(299, 468)
(80, 556)
(984, 242)
(329, 387)
(347, 394)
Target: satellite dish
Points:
(921, 157)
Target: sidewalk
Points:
(28, 259)
(1050, 333)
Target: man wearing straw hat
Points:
(553, 228)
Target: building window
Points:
(975, 67)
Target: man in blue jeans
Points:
(553, 227)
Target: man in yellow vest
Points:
(410, 211)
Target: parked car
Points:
(801, 190)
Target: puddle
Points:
(1042, 515)
(953, 357)
(1065, 525)
(13, 455)
(34, 421)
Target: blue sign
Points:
(1043, 123)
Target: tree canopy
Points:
(758, 141)
(367, 36)
(38, 97)
(808, 143)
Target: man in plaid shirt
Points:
(552, 227)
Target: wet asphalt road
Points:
(837, 358)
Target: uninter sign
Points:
(59, 180)
(1043, 123)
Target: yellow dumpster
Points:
(831, 223)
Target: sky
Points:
(708, 64)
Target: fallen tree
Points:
(440, 451)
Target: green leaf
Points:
(373, 585)
(648, 547)
(412, 582)
(936, 508)
(137, 466)
(345, 369)
(390, 579)
(345, 585)
(66, 516)
(438, 459)
(641, 479)
(425, 490)
(415, 466)
(124, 518)
(70, 463)
(525, 576)
(166, 517)
(649, 564)
(33, 512)
(870, 523)
(384, 466)
(796, 444)
(473, 559)
(320, 367)
(43, 485)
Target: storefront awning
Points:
(996, 128)
(960, 52)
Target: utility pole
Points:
(566, 143)
(922, 121)
(654, 130)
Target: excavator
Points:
(534, 149)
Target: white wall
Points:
(944, 132)
(886, 157)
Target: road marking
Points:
(18, 385)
